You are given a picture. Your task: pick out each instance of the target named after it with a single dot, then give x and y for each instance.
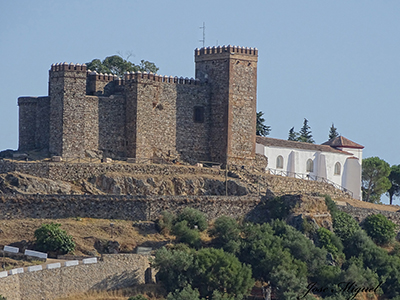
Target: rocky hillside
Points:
(126, 184)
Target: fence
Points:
(309, 177)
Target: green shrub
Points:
(279, 208)
(174, 268)
(194, 218)
(51, 238)
(329, 241)
(2, 297)
(380, 229)
(187, 293)
(331, 205)
(226, 233)
(186, 235)
(165, 222)
(344, 225)
(137, 297)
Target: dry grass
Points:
(150, 291)
(363, 204)
(85, 232)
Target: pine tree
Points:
(333, 132)
(293, 136)
(305, 133)
(261, 129)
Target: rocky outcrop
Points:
(17, 183)
(128, 184)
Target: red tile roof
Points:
(266, 141)
(342, 142)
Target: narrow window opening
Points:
(198, 116)
(310, 165)
(279, 162)
(337, 169)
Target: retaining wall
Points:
(360, 213)
(120, 207)
(112, 272)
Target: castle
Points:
(210, 118)
(145, 116)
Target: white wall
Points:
(295, 160)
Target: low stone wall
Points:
(120, 207)
(360, 213)
(75, 171)
(112, 272)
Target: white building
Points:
(337, 161)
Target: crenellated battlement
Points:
(226, 49)
(68, 67)
(140, 76)
(93, 75)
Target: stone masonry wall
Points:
(231, 73)
(27, 122)
(360, 213)
(42, 123)
(126, 207)
(111, 125)
(213, 70)
(242, 107)
(112, 272)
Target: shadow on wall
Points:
(117, 281)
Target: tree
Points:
(195, 218)
(375, 181)
(261, 128)
(394, 178)
(174, 268)
(380, 229)
(226, 234)
(217, 270)
(293, 136)
(333, 132)
(117, 65)
(50, 237)
(305, 133)
(187, 293)
(207, 270)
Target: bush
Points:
(344, 225)
(380, 229)
(217, 270)
(329, 241)
(226, 233)
(194, 218)
(173, 268)
(165, 222)
(186, 235)
(187, 293)
(2, 297)
(51, 238)
(137, 297)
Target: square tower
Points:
(231, 73)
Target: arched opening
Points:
(337, 168)
(279, 162)
(310, 166)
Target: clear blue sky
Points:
(327, 61)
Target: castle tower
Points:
(231, 73)
(71, 113)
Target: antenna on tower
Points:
(204, 34)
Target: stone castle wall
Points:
(147, 115)
(113, 271)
